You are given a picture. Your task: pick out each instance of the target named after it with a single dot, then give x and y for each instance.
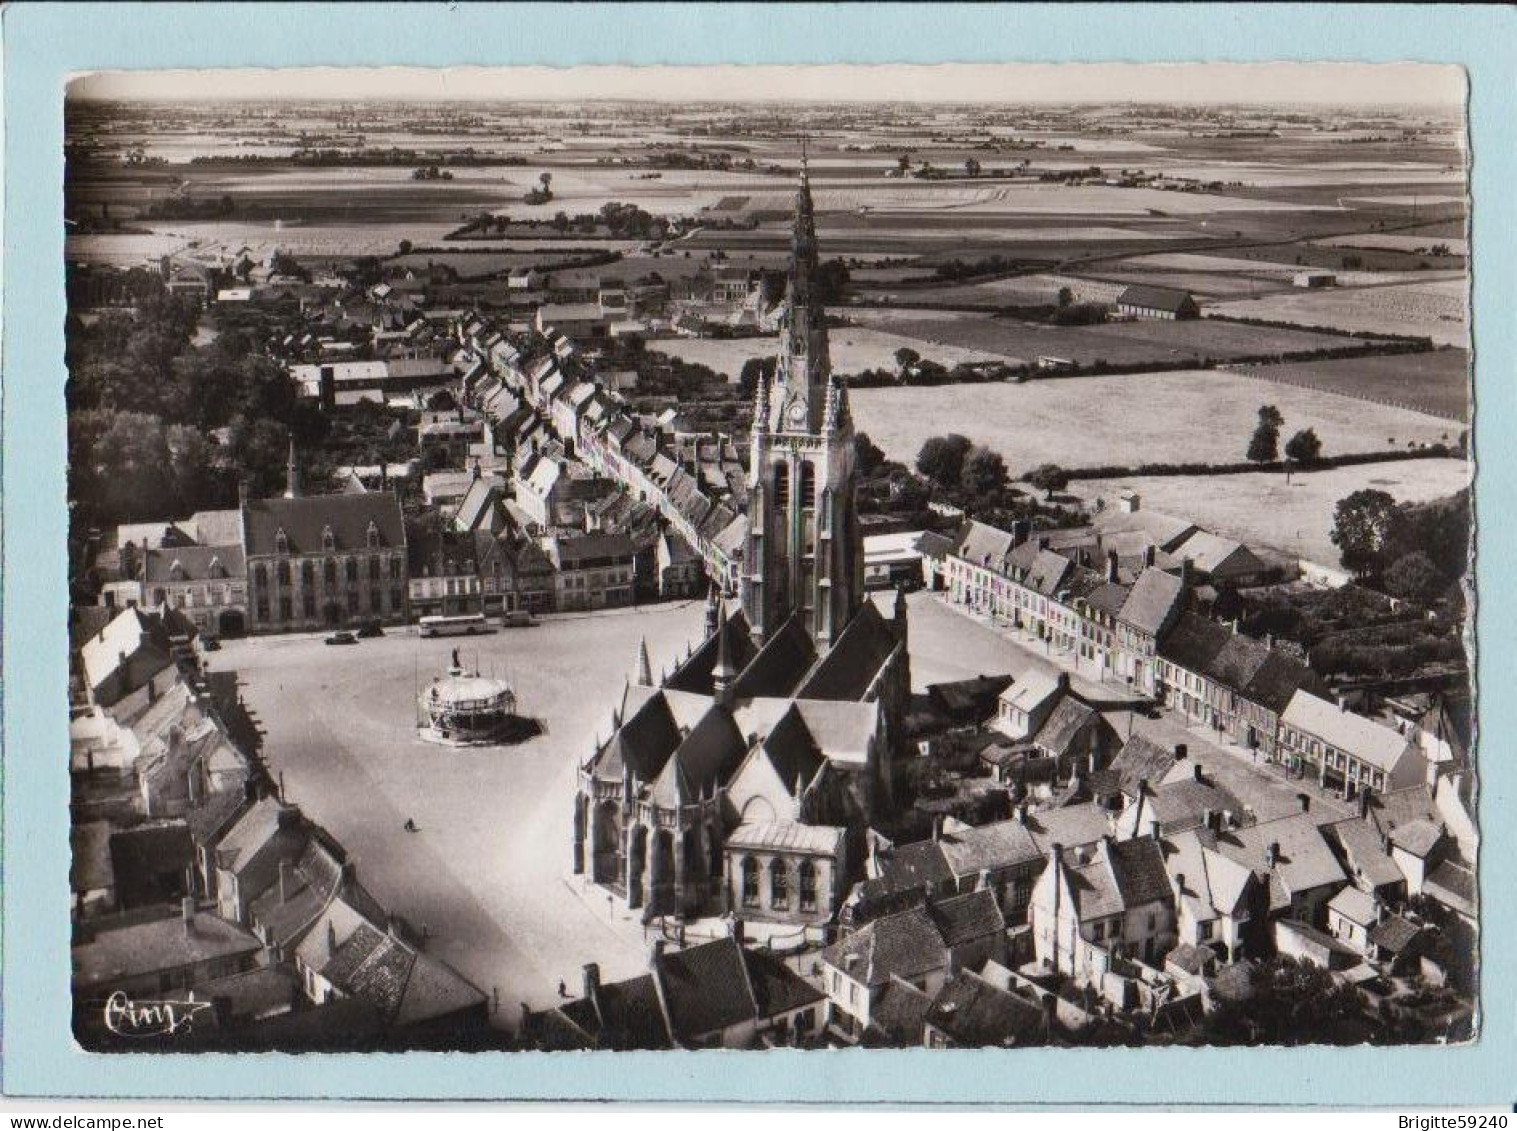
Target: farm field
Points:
(854, 349)
(1262, 510)
(1398, 241)
(1436, 309)
(1117, 343)
(1179, 416)
(1437, 382)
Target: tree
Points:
(984, 472)
(870, 457)
(1066, 296)
(1415, 577)
(906, 357)
(942, 458)
(1048, 478)
(903, 163)
(1269, 414)
(1291, 1003)
(1363, 522)
(971, 167)
(1303, 447)
(754, 370)
(405, 247)
(546, 180)
(1264, 446)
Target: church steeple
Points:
(804, 551)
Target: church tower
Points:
(804, 550)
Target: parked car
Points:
(342, 638)
(369, 629)
(519, 618)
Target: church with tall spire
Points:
(743, 778)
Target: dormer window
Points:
(328, 540)
(176, 571)
(281, 542)
(216, 569)
(373, 535)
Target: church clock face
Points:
(797, 411)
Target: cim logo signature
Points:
(167, 1018)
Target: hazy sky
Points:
(1335, 83)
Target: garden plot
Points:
(1435, 309)
(854, 349)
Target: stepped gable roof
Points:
(642, 743)
(967, 918)
(695, 673)
(1363, 738)
(1063, 725)
(780, 664)
(1194, 643)
(706, 988)
(850, 666)
(1142, 759)
(1003, 844)
(705, 758)
(776, 988)
(1365, 855)
(973, 1013)
(304, 519)
(194, 563)
(906, 944)
(899, 1012)
(1152, 600)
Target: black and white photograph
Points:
(668, 558)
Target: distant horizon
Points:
(1255, 85)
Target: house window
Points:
(808, 886)
(808, 484)
(308, 600)
(376, 600)
(281, 542)
(779, 884)
(307, 574)
(284, 607)
(395, 599)
(353, 603)
(781, 485)
(350, 567)
(329, 572)
(373, 569)
(260, 577)
(395, 567)
(282, 572)
(373, 535)
(750, 882)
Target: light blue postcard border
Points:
(45, 43)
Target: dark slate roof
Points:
(591, 547)
(1064, 723)
(304, 519)
(1393, 933)
(621, 1015)
(1452, 885)
(776, 988)
(779, 665)
(1194, 642)
(978, 693)
(1142, 759)
(706, 988)
(695, 673)
(853, 661)
(1237, 661)
(1155, 298)
(196, 563)
(1277, 679)
(792, 750)
(967, 918)
(1151, 601)
(899, 1012)
(1138, 865)
(705, 758)
(643, 743)
(907, 944)
(975, 1014)
(215, 813)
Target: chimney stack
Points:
(1185, 572)
(1180, 882)
(1272, 856)
(1182, 751)
(1111, 566)
(187, 915)
(937, 826)
(284, 881)
(1305, 801)
(1364, 804)
(739, 930)
(331, 939)
(656, 954)
(1198, 773)
(592, 979)
(1063, 682)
